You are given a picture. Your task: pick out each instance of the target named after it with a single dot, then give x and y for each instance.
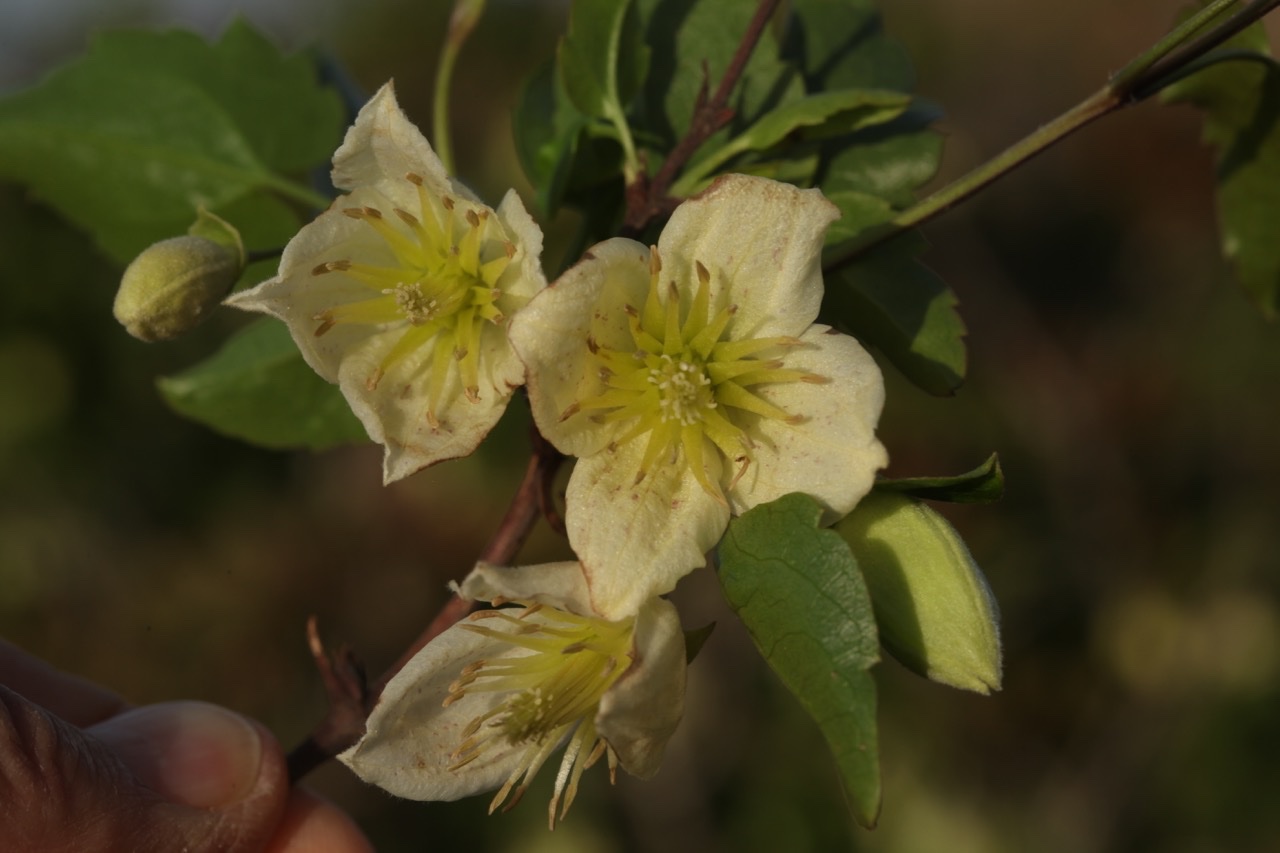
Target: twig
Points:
(350, 698)
(647, 198)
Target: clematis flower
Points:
(485, 704)
(400, 293)
(692, 383)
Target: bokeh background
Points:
(1127, 383)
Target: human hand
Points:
(80, 770)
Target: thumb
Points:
(177, 776)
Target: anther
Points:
(704, 275)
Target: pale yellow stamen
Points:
(440, 285)
(686, 383)
(553, 692)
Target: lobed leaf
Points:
(800, 594)
(257, 388)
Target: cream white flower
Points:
(485, 704)
(401, 290)
(691, 381)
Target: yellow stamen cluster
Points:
(686, 380)
(440, 286)
(554, 689)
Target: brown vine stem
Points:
(350, 697)
(647, 197)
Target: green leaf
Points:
(810, 117)
(129, 140)
(548, 130)
(841, 44)
(590, 55)
(286, 117)
(983, 484)
(1241, 100)
(694, 41)
(859, 211)
(798, 591)
(257, 388)
(888, 160)
(889, 299)
(933, 607)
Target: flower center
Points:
(561, 666)
(686, 381)
(438, 290)
(684, 390)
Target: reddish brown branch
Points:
(350, 697)
(647, 198)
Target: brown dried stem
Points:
(647, 198)
(351, 698)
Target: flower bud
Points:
(934, 610)
(172, 286)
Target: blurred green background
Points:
(1128, 385)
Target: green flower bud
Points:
(173, 285)
(933, 607)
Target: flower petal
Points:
(524, 278)
(833, 454)
(641, 711)
(410, 737)
(761, 239)
(559, 585)
(383, 145)
(551, 334)
(636, 540)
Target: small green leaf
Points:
(548, 130)
(798, 591)
(257, 388)
(889, 299)
(811, 117)
(694, 41)
(983, 484)
(859, 211)
(841, 44)
(933, 607)
(1241, 100)
(888, 160)
(589, 56)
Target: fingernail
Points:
(192, 753)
